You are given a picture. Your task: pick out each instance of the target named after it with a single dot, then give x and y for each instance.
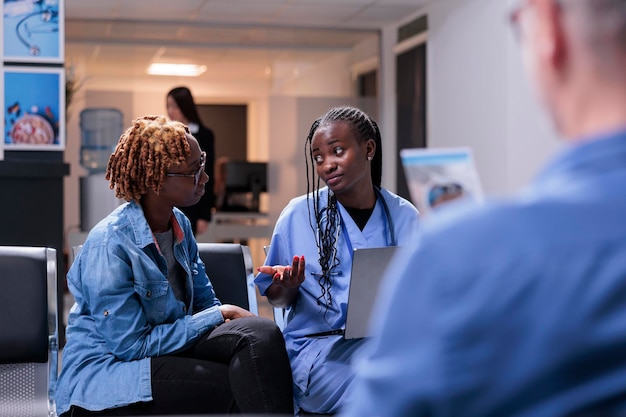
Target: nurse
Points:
(308, 265)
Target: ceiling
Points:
(233, 38)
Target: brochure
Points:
(438, 175)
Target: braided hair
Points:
(326, 227)
(144, 153)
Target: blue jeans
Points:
(239, 367)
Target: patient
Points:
(147, 334)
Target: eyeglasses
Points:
(196, 176)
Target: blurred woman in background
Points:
(181, 107)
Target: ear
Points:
(552, 38)
(370, 148)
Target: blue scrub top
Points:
(293, 236)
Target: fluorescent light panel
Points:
(179, 70)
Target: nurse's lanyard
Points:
(390, 235)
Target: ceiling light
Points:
(179, 70)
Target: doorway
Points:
(229, 123)
(411, 107)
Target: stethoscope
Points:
(47, 16)
(390, 234)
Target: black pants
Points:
(240, 367)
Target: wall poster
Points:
(33, 31)
(33, 104)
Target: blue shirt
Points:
(517, 308)
(293, 236)
(126, 312)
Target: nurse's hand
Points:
(286, 276)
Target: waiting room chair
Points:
(28, 331)
(231, 271)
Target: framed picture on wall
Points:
(33, 31)
(33, 108)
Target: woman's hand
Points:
(286, 276)
(231, 312)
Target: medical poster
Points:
(437, 176)
(33, 31)
(34, 116)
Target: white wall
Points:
(530, 135)
(478, 96)
(328, 78)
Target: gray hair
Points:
(603, 24)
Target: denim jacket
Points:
(126, 312)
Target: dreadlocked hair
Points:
(143, 155)
(327, 221)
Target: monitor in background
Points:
(246, 177)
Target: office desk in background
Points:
(231, 226)
(223, 227)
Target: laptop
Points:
(368, 269)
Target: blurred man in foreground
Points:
(518, 308)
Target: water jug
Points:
(100, 129)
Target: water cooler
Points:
(100, 130)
